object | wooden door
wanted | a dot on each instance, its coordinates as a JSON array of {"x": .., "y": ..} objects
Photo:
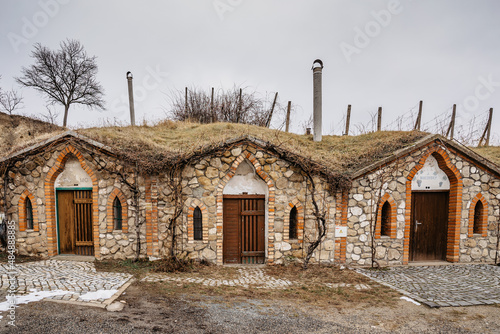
[
  {"x": 429, "y": 225},
  {"x": 244, "y": 229},
  {"x": 66, "y": 214},
  {"x": 231, "y": 230},
  {"x": 75, "y": 222}
]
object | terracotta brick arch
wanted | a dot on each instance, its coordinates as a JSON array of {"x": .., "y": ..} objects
[
  {"x": 23, "y": 224},
  {"x": 50, "y": 200},
  {"x": 271, "y": 203},
  {"x": 110, "y": 212},
  {"x": 455, "y": 202},
  {"x": 193, "y": 204},
  {"x": 483, "y": 223},
  {"x": 392, "y": 228},
  {"x": 300, "y": 221}
]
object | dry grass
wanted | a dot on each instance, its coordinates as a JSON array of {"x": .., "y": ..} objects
[
  {"x": 17, "y": 132},
  {"x": 491, "y": 153},
  {"x": 310, "y": 287},
  {"x": 342, "y": 154}
]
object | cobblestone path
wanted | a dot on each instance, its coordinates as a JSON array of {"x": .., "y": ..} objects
[
  {"x": 78, "y": 278},
  {"x": 448, "y": 285},
  {"x": 254, "y": 277}
]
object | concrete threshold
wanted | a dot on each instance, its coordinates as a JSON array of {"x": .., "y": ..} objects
[{"x": 71, "y": 257}]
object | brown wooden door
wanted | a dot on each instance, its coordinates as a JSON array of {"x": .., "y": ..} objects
[
  {"x": 66, "y": 214},
  {"x": 244, "y": 229},
  {"x": 429, "y": 225},
  {"x": 231, "y": 230},
  {"x": 75, "y": 222}
]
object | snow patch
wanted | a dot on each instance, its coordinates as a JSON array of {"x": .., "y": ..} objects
[
  {"x": 34, "y": 296},
  {"x": 99, "y": 294},
  {"x": 411, "y": 300}
]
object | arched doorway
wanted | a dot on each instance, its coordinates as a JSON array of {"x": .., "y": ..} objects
[
  {"x": 430, "y": 193},
  {"x": 73, "y": 190},
  {"x": 244, "y": 216}
]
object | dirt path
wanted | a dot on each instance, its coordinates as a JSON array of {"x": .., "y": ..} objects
[{"x": 149, "y": 310}]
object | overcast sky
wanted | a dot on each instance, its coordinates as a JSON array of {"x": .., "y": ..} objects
[{"x": 376, "y": 53}]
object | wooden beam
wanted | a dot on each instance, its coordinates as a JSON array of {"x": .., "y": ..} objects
[
  {"x": 451, "y": 127},
  {"x": 289, "y": 108},
  {"x": 419, "y": 117},
  {"x": 347, "y": 120},
  {"x": 268, "y": 121},
  {"x": 379, "y": 119}
]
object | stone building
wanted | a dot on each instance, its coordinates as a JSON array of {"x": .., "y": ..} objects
[{"x": 246, "y": 199}]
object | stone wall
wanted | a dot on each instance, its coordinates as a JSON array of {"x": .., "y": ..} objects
[
  {"x": 29, "y": 175},
  {"x": 475, "y": 182},
  {"x": 203, "y": 186}
]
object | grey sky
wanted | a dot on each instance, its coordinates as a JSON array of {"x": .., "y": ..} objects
[{"x": 441, "y": 52}]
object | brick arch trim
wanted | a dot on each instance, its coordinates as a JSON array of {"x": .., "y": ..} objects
[
  {"x": 50, "y": 200},
  {"x": 271, "y": 203},
  {"x": 110, "y": 211},
  {"x": 23, "y": 224},
  {"x": 192, "y": 205},
  {"x": 454, "y": 205},
  {"x": 300, "y": 221},
  {"x": 483, "y": 224},
  {"x": 392, "y": 220}
]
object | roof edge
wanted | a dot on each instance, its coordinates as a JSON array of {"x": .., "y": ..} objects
[
  {"x": 69, "y": 133},
  {"x": 424, "y": 141}
]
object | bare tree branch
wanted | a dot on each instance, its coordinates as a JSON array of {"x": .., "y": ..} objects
[
  {"x": 10, "y": 101},
  {"x": 66, "y": 76}
]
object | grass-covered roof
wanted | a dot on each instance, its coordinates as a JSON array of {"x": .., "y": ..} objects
[{"x": 167, "y": 143}]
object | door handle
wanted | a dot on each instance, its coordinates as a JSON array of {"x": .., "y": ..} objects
[{"x": 416, "y": 225}]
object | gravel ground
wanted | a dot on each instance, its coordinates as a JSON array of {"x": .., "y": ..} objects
[{"x": 147, "y": 311}]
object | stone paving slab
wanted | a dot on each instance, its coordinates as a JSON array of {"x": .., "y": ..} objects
[
  {"x": 77, "y": 278},
  {"x": 247, "y": 277},
  {"x": 441, "y": 286}
]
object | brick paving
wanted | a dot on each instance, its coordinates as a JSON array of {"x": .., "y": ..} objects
[
  {"x": 440, "y": 286},
  {"x": 78, "y": 278},
  {"x": 247, "y": 276}
]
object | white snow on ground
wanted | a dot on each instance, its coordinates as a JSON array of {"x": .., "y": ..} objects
[
  {"x": 99, "y": 294},
  {"x": 34, "y": 296},
  {"x": 411, "y": 300}
]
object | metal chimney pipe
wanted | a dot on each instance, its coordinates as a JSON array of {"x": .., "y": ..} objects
[
  {"x": 317, "y": 104},
  {"x": 131, "y": 98}
]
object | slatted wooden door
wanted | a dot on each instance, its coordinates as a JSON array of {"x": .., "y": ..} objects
[
  {"x": 75, "y": 222},
  {"x": 244, "y": 229},
  {"x": 429, "y": 226}
]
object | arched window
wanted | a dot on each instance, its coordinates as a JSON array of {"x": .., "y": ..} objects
[
  {"x": 478, "y": 217},
  {"x": 292, "y": 229},
  {"x": 385, "y": 219},
  {"x": 29, "y": 214},
  {"x": 198, "y": 224},
  {"x": 117, "y": 214}
]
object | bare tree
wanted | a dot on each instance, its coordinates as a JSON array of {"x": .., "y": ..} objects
[
  {"x": 66, "y": 76},
  {"x": 233, "y": 106},
  {"x": 10, "y": 101}
]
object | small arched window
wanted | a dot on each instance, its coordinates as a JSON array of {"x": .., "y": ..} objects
[
  {"x": 292, "y": 228},
  {"x": 117, "y": 214},
  {"x": 385, "y": 221},
  {"x": 197, "y": 224},
  {"x": 29, "y": 214},
  {"x": 478, "y": 217}
]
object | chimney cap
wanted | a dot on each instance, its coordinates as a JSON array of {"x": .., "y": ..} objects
[
  {"x": 317, "y": 61},
  {"x": 129, "y": 75}
]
